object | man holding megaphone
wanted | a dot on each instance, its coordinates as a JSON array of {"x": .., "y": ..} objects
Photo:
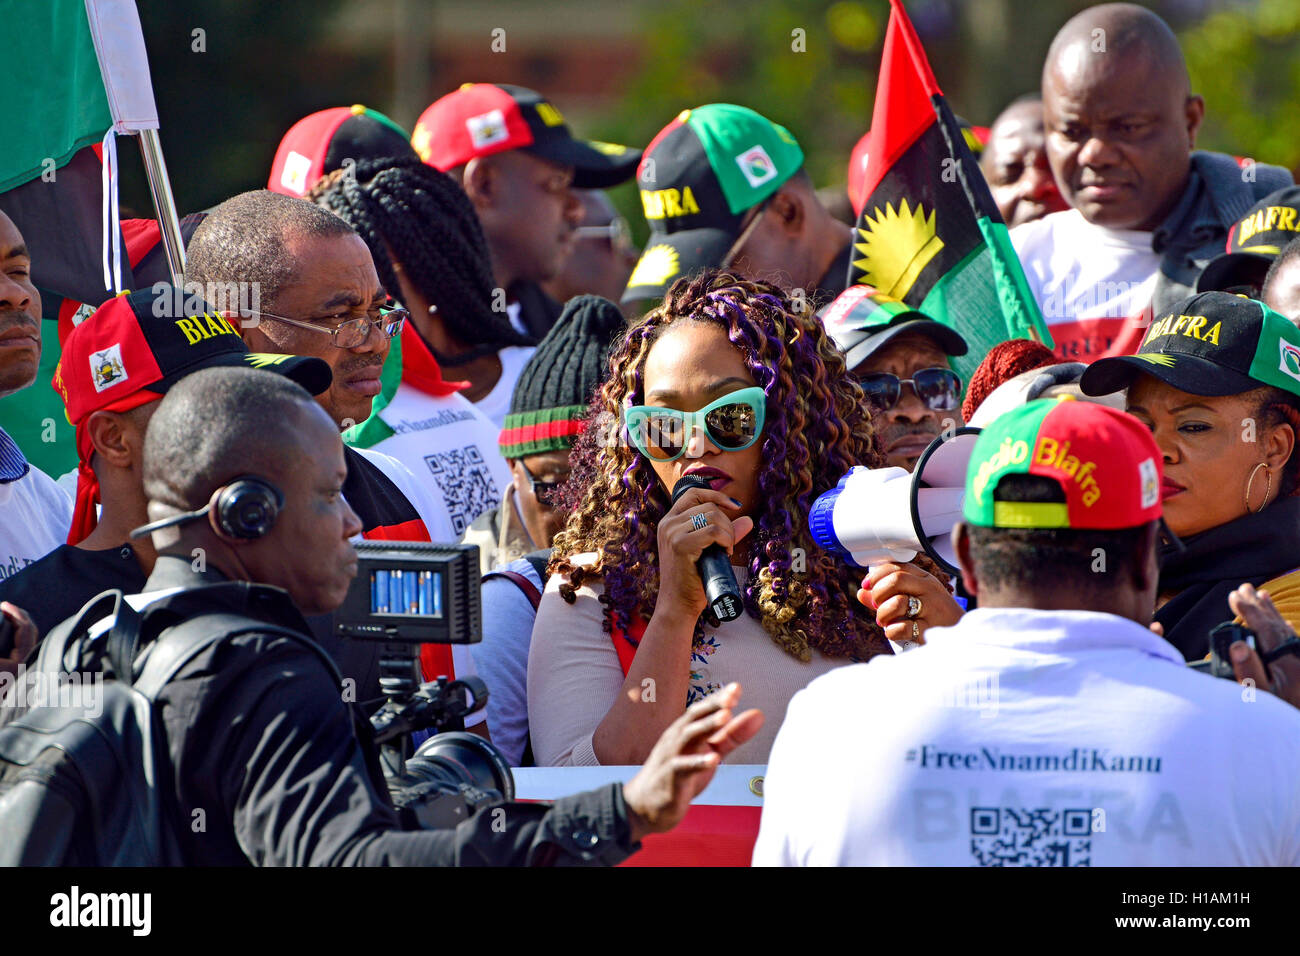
[
  {"x": 1052, "y": 726},
  {"x": 901, "y": 358}
]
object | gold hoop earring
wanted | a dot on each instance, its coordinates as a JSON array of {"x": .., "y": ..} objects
[{"x": 1268, "y": 488}]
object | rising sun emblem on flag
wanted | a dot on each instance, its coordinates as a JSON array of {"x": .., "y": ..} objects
[{"x": 895, "y": 247}]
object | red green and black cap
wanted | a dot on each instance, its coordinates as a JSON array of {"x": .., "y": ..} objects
[
  {"x": 480, "y": 119},
  {"x": 322, "y": 142},
  {"x": 554, "y": 388},
  {"x": 862, "y": 319},
  {"x": 1214, "y": 343},
  {"x": 138, "y": 345},
  {"x": 698, "y": 178},
  {"x": 1254, "y": 241},
  {"x": 1104, "y": 461}
]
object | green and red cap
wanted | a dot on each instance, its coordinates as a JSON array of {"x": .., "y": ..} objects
[
  {"x": 1105, "y": 462},
  {"x": 549, "y": 404},
  {"x": 698, "y": 178},
  {"x": 318, "y": 144},
  {"x": 481, "y": 119},
  {"x": 1214, "y": 343}
]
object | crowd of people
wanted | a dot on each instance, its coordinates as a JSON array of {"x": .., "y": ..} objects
[{"x": 453, "y": 339}]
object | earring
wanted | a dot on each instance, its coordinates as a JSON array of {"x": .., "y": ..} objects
[
  {"x": 1268, "y": 488},
  {"x": 433, "y": 309}
]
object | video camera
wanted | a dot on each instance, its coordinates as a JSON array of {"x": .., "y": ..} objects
[{"x": 407, "y": 594}]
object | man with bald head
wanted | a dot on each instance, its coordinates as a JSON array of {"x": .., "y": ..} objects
[{"x": 1147, "y": 210}]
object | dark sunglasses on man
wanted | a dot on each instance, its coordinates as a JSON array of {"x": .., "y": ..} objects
[{"x": 938, "y": 388}]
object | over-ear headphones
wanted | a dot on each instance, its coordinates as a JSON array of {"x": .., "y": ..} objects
[{"x": 244, "y": 509}]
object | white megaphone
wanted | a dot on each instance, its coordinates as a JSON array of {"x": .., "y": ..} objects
[{"x": 886, "y": 514}]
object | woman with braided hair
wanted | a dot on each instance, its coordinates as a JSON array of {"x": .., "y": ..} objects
[
  {"x": 430, "y": 252},
  {"x": 728, "y": 382}
]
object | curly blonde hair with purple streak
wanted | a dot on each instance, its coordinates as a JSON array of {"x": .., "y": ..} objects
[{"x": 817, "y": 428}]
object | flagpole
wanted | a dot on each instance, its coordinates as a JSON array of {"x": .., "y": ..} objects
[{"x": 160, "y": 188}]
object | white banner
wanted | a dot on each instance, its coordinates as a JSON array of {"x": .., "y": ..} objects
[{"x": 733, "y": 785}]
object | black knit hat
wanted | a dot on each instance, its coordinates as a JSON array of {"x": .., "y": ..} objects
[{"x": 557, "y": 383}]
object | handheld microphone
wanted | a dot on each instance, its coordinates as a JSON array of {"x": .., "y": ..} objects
[{"x": 719, "y": 579}]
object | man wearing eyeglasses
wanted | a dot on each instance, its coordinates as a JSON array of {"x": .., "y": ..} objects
[
  {"x": 900, "y": 357},
  {"x": 319, "y": 295},
  {"x": 724, "y": 186}
]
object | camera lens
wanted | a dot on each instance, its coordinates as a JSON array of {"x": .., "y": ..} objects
[{"x": 455, "y": 758}]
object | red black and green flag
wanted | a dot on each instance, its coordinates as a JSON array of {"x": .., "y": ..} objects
[
  {"x": 50, "y": 170},
  {"x": 929, "y": 233}
]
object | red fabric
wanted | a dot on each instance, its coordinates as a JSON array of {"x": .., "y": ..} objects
[
  {"x": 420, "y": 369},
  {"x": 413, "y": 530},
  {"x": 542, "y": 430},
  {"x": 443, "y": 136},
  {"x": 707, "y": 836},
  {"x": 309, "y": 137},
  {"x": 858, "y": 173},
  {"x": 436, "y": 661},
  {"x": 1004, "y": 362},
  {"x": 626, "y": 649},
  {"x": 903, "y": 110},
  {"x": 84, "y": 518}
]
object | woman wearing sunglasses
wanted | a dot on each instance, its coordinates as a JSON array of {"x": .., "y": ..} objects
[{"x": 726, "y": 382}]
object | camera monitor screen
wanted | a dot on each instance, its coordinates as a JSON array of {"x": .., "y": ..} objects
[
  {"x": 413, "y": 592},
  {"x": 406, "y": 591}
]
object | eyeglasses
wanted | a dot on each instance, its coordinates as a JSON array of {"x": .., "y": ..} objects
[
  {"x": 938, "y": 388},
  {"x": 733, "y": 423},
  {"x": 747, "y": 231},
  {"x": 617, "y": 232},
  {"x": 354, "y": 333},
  {"x": 543, "y": 491}
]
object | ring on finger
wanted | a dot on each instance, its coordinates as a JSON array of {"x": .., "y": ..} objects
[
  {"x": 699, "y": 521},
  {"x": 913, "y": 606},
  {"x": 916, "y": 632}
]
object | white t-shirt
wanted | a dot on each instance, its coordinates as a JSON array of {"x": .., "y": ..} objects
[
  {"x": 1033, "y": 738},
  {"x": 35, "y": 515},
  {"x": 496, "y": 403},
  {"x": 450, "y": 448},
  {"x": 1094, "y": 284}
]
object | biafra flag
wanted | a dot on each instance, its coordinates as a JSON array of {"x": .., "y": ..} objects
[
  {"x": 929, "y": 233},
  {"x": 51, "y": 187}
]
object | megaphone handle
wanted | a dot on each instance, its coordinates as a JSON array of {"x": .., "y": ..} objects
[{"x": 898, "y": 646}]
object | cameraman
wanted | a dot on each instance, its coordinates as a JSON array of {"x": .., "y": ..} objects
[
  {"x": 259, "y": 737},
  {"x": 1050, "y": 727}
]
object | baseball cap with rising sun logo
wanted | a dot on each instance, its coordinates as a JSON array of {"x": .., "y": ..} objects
[
  {"x": 1214, "y": 343},
  {"x": 698, "y": 178}
]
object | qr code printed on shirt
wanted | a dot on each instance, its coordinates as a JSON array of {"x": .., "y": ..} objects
[
  {"x": 466, "y": 484},
  {"x": 1007, "y": 836}
]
